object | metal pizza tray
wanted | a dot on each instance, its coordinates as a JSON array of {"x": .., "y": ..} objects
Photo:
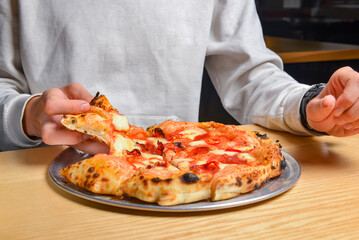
[{"x": 269, "y": 190}]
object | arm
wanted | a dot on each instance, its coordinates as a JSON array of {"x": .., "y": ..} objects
[
  {"x": 12, "y": 83},
  {"x": 26, "y": 119},
  {"x": 247, "y": 76}
]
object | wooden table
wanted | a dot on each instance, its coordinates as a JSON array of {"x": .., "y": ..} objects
[
  {"x": 297, "y": 51},
  {"x": 322, "y": 205}
]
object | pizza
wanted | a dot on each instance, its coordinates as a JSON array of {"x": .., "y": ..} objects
[{"x": 174, "y": 162}]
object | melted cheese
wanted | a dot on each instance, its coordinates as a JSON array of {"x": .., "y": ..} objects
[
  {"x": 197, "y": 143},
  {"x": 120, "y": 122},
  {"x": 246, "y": 156},
  {"x": 155, "y": 140},
  {"x": 151, "y": 156},
  {"x": 221, "y": 152},
  {"x": 139, "y": 141},
  {"x": 121, "y": 144},
  {"x": 192, "y": 133}
]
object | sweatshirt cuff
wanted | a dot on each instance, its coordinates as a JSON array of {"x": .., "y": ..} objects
[
  {"x": 15, "y": 117},
  {"x": 293, "y": 117}
]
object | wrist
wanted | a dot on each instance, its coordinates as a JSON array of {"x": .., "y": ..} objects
[
  {"x": 30, "y": 122},
  {"x": 311, "y": 93}
]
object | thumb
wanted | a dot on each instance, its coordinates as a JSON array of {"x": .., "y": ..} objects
[{"x": 319, "y": 109}]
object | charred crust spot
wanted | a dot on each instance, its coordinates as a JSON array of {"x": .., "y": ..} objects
[
  {"x": 179, "y": 145},
  {"x": 85, "y": 131},
  {"x": 189, "y": 178},
  {"x": 88, "y": 176},
  {"x": 239, "y": 181},
  {"x": 158, "y": 132},
  {"x": 95, "y": 175},
  {"x": 168, "y": 180},
  {"x": 91, "y": 169},
  {"x": 156, "y": 180},
  {"x": 125, "y": 195},
  {"x": 141, "y": 177},
  {"x": 249, "y": 181},
  {"x": 65, "y": 116},
  {"x": 283, "y": 165},
  {"x": 88, "y": 185},
  {"x": 273, "y": 167},
  {"x": 261, "y": 136},
  {"x": 104, "y": 179},
  {"x": 93, "y": 101},
  {"x": 73, "y": 121},
  {"x": 256, "y": 186},
  {"x": 145, "y": 182},
  {"x": 134, "y": 152}
]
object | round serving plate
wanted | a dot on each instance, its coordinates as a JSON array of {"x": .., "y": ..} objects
[{"x": 268, "y": 190}]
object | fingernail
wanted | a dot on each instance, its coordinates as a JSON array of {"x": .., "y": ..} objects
[
  {"x": 85, "y": 107},
  {"x": 338, "y": 111}
]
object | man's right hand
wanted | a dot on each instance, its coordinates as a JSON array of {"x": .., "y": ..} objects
[{"x": 42, "y": 117}]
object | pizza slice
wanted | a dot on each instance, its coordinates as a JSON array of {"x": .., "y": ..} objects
[{"x": 104, "y": 123}]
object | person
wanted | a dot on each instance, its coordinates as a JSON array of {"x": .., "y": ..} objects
[{"x": 148, "y": 58}]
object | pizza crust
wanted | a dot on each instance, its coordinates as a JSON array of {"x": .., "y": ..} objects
[{"x": 102, "y": 174}]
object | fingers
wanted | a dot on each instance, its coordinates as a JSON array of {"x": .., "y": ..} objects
[
  {"x": 320, "y": 109},
  {"x": 56, "y": 106},
  {"x": 339, "y": 131},
  {"x": 92, "y": 147},
  {"x": 349, "y": 116},
  {"x": 56, "y": 102},
  {"x": 346, "y": 83},
  {"x": 52, "y": 134},
  {"x": 77, "y": 91}
]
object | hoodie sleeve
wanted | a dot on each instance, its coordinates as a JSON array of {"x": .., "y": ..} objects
[
  {"x": 248, "y": 77},
  {"x": 14, "y": 90}
]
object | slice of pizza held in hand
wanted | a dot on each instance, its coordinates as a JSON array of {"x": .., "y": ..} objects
[{"x": 172, "y": 162}]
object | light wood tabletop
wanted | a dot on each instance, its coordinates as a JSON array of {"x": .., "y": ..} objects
[
  {"x": 322, "y": 205},
  {"x": 299, "y": 51}
]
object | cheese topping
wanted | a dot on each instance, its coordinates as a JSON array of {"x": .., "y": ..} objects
[
  {"x": 192, "y": 133},
  {"x": 120, "y": 122},
  {"x": 151, "y": 156},
  {"x": 197, "y": 143},
  {"x": 155, "y": 140},
  {"x": 121, "y": 144}
]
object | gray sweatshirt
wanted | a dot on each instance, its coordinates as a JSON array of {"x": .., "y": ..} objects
[{"x": 147, "y": 57}]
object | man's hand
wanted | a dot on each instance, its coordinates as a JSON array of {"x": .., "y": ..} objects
[
  {"x": 336, "y": 109},
  {"x": 42, "y": 117}
]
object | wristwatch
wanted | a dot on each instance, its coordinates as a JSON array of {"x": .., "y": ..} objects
[{"x": 309, "y": 95}]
